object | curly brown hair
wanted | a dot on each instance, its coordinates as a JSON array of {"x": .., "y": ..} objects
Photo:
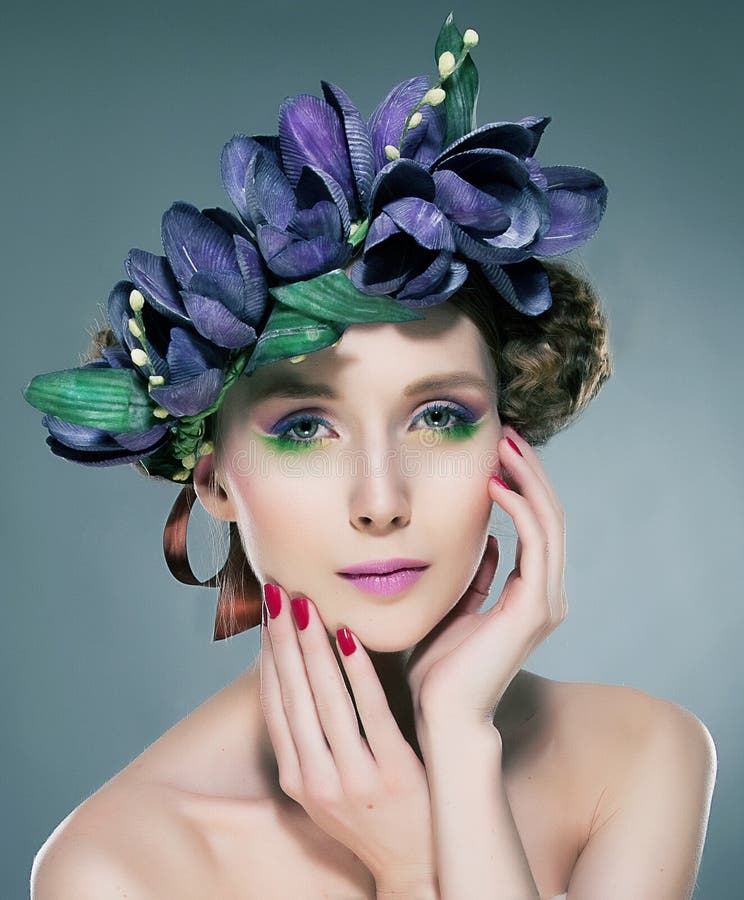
[{"x": 549, "y": 367}]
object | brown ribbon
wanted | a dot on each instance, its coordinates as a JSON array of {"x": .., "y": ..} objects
[{"x": 240, "y": 597}]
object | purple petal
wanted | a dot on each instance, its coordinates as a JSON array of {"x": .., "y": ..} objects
[
  {"x": 323, "y": 218},
  {"x": 193, "y": 243},
  {"x": 271, "y": 196},
  {"x": 152, "y": 275},
  {"x": 315, "y": 185},
  {"x": 190, "y": 354},
  {"x": 577, "y": 198},
  {"x": 311, "y": 133},
  {"x": 304, "y": 259},
  {"x": 423, "y": 221},
  {"x": 513, "y": 137},
  {"x": 424, "y": 142},
  {"x": 216, "y": 323},
  {"x": 226, "y": 221},
  {"x": 524, "y": 285},
  {"x": 255, "y": 294},
  {"x": 381, "y": 228},
  {"x": 117, "y": 358},
  {"x": 400, "y": 178},
  {"x": 236, "y": 155},
  {"x": 156, "y": 328},
  {"x": 358, "y": 144},
  {"x": 100, "y": 457},
  {"x": 488, "y": 167},
  {"x": 79, "y": 437},
  {"x": 119, "y": 311},
  {"x": 457, "y": 275},
  {"x": 467, "y": 205},
  {"x": 386, "y": 123},
  {"x": 144, "y": 440},
  {"x": 365, "y": 276},
  {"x": 192, "y": 396},
  {"x": 536, "y": 173},
  {"x": 427, "y": 280}
]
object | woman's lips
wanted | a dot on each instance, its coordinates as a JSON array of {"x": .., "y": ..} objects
[{"x": 392, "y": 583}]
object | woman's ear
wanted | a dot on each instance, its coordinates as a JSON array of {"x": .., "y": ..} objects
[{"x": 212, "y": 496}]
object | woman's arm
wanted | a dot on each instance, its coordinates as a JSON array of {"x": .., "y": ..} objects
[
  {"x": 478, "y": 849},
  {"x": 649, "y": 832}
]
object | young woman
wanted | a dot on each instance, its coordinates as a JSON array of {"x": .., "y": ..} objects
[{"x": 387, "y": 740}]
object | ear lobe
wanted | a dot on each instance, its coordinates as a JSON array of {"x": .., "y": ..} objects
[{"x": 212, "y": 496}]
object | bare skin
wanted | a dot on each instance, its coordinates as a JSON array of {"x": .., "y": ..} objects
[
  {"x": 208, "y": 788},
  {"x": 201, "y": 812}
]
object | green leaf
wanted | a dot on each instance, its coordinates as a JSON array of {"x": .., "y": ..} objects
[
  {"x": 288, "y": 333},
  {"x": 333, "y": 298},
  {"x": 461, "y": 87},
  {"x": 112, "y": 399}
]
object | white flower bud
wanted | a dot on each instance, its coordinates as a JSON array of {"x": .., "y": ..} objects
[
  {"x": 183, "y": 475},
  {"x": 392, "y": 152},
  {"x": 297, "y": 359},
  {"x": 415, "y": 119},
  {"x": 188, "y": 462},
  {"x": 446, "y": 64},
  {"x": 136, "y": 300},
  {"x": 134, "y": 328},
  {"x": 470, "y": 38},
  {"x": 205, "y": 448},
  {"x": 160, "y": 413},
  {"x": 156, "y": 380},
  {"x": 434, "y": 96},
  {"x": 139, "y": 357}
]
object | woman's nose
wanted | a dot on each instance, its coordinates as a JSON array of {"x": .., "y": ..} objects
[{"x": 379, "y": 499}]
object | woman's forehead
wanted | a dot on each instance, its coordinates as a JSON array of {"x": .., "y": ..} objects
[{"x": 445, "y": 339}]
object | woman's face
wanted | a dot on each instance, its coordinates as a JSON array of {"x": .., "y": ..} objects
[{"x": 383, "y": 468}]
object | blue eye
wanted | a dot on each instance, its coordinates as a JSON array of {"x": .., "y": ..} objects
[{"x": 459, "y": 423}]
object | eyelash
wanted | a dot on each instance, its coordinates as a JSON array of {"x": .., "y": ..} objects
[{"x": 465, "y": 423}]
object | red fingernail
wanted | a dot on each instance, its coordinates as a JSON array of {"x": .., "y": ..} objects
[
  {"x": 345, "y": 641},
  {"x": 499, "y": 481},
  {"x": 300, "y": 612},
  {"x": 273, "y": 599},
  {"x": 514, "y": 447}
]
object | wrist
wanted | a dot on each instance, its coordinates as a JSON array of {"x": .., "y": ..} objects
[
  {"x": 437, "y": 731},
  {"x": 424, "y": 889}
]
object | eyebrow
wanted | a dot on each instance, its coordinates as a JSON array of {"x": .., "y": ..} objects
[{"x": 290, "y": 387}]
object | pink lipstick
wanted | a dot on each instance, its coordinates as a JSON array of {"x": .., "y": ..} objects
[{"x": 386, "y": 584}]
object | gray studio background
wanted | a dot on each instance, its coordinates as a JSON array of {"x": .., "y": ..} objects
[{"x": 113, "y": 111}]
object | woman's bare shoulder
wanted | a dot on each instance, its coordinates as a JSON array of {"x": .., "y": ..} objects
[{"x": 128, "y": 839}]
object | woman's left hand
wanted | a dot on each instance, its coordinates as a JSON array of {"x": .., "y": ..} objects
[{"x": 462, "y": 668}]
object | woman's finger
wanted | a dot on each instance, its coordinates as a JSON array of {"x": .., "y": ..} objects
[
  {"x": 334, "y": 704},
  {"x": 534, "y": 542},
  {"x": 315, "y": 760},
  {"x": 530, "y": 454},
  {"x": 290, "y": 775}
]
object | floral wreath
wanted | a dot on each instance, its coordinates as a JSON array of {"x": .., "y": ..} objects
[{"x": 410, "y": 201}]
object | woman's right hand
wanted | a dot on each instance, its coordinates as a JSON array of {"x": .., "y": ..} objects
[{"x": 369, "y": 793}]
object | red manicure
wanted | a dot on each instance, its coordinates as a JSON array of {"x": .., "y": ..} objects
[
  {"x": 273, "y": 599},
  {"x": 300, "y": 612},
  {"x": 514, "y": 447},
  {"x": 345, "y": 641},
  {"x": 499, "y": 481}
]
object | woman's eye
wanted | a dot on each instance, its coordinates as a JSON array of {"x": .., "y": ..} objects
[{"x": 442, "y": 417}]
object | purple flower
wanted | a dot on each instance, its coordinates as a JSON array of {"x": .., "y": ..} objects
[
  {"x": 409, "y": 249},
  {"x": 505, "y": 208},
  {"x": 211, "y": 278},
  {"x": 300, "y": 191},
  {"x": 191, "y": 366}
]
